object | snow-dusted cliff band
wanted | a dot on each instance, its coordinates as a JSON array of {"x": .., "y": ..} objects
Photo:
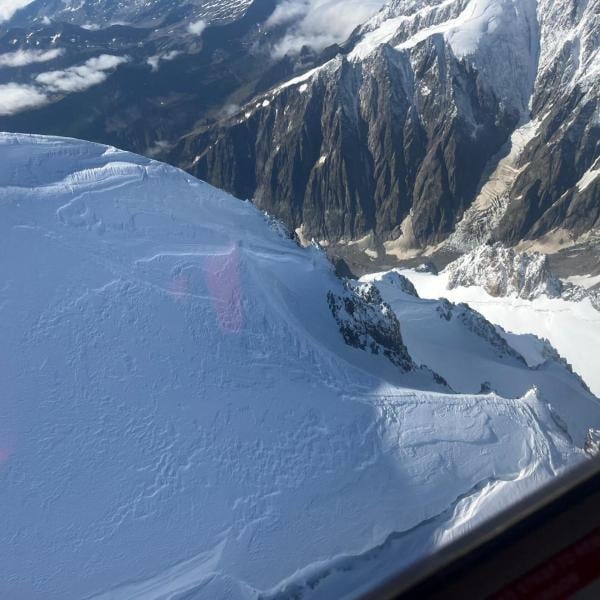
[{"x": 185, "y": 412}]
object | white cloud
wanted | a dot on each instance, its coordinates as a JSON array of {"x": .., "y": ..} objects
[
  {"x": 158, "y": 148},
  {"x": 15, "y": 98},
  {"x": 9, "y": 7},
  {"x": 197, "y": 27},
  {"x": 319, "y": 23},
  {"x": 288, "y": 11},
  {"x": 22, "y": 58},
  {"x": 81, "y": 77},
  {"x": 154, "y": 61}
]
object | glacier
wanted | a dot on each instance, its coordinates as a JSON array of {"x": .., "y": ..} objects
[{"x": 181, "y": 415}]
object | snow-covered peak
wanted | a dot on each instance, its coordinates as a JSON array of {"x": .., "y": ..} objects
[
  {"x": 570, "y": 48},
  {"x": 498, "y": 37},
  {"x": 182, "y": 414},
  {"x": 500, "y": 357},
  {"x": 502, "y": 271},
  {"x": 104, "y": 13},
  {"x": 515, "y": 44},
  {"x": 464, "y": 24}
]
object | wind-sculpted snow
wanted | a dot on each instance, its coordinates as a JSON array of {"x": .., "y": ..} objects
[{"x": 181, "y": 416}]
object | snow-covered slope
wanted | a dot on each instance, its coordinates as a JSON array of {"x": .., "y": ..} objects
[
  {"x": 181, "y": 413},
  {"x": 447, "y": 336},
  {"x": 572, "y": 325}
]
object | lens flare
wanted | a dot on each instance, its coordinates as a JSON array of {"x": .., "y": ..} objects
[{"x": 225, "y": 287}]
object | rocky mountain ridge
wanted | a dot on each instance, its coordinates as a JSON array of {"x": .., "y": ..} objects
[
  {"x": 398, "y": 135},
  {"x": 504, "y": 272}
]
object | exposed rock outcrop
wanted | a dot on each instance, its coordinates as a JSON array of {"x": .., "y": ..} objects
[
  {"x": 502, "y": 271},
  {"x": 368, "y": 323}
]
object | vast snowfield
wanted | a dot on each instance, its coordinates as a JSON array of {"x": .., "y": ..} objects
[
  {"x": 573, "y": 328},
  {"x": 180, "y": 413}
]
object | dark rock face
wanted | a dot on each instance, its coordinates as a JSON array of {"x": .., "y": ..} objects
[
  {"x": 342, "y": 270},
  {"x": 361, "y": 146},
  {"x": 546, "y": 195},
  {"x": 366, "y": 322},
  {"x": 592, "y": 444}
]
